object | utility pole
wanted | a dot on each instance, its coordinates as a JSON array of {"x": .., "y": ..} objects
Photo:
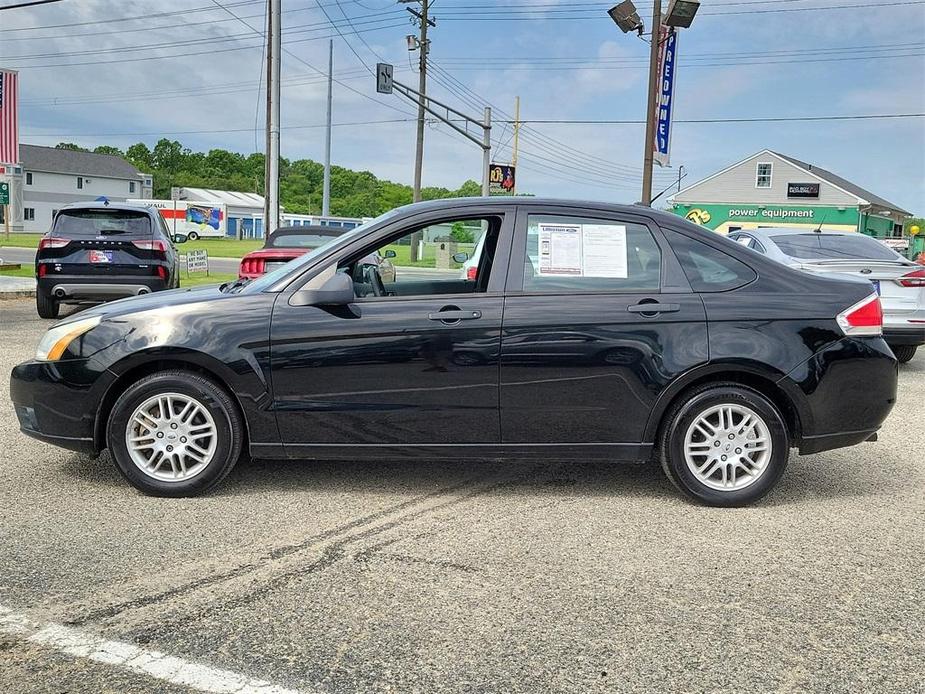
[
  {"x": 648, "y": 160},
  {"x": 516, "y": 131},
  {"x": 486, "y": 151},
  {"x": 326, "y": 199},
  {"x": 423, "y": 45},
  {"x": 271, "y": 188}
]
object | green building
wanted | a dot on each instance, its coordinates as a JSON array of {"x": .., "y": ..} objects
[{"x": 769, "y": 189}]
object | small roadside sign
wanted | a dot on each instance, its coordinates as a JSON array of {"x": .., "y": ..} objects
[
  {"x": 197, "y": 261},
  {"x": 4, "y": 193},
  {"x": 384, "y": 78}
]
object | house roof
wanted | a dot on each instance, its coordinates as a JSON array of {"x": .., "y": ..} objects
[
  {"x": 845, "y": 184},
  {"x": 53, "y": 160}
]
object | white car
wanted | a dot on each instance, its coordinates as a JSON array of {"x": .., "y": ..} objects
[
  {"x": 899, "y": 282},
  {"x": 470, "y": 268}
]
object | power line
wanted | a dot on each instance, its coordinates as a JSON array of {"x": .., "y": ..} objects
[
  {"x": 27, "y": 4},
  {"x": 770, "y": 119}
]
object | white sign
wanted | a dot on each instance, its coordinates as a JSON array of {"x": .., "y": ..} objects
[
  {"x": 583, "y": 250},
  {"x": 197, "y": 261}
]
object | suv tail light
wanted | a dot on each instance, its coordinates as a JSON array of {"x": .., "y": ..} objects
[
  {"x": 152, "y": 245},
  {"x": 916, "y": 278},
  {"x": 864, "y": 318},
  {"x": 53, "y": 242},
  {"x": 472, "y": 272}
]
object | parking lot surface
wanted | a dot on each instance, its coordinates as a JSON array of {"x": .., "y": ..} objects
[{"x": 452, "y": 577}]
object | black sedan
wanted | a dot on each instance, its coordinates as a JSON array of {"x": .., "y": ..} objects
[{"x": 589, "y": 332}]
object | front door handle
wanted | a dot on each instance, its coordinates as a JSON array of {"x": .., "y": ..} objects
[
  {"x": 453, "y": 316},
  {"x": 654, "y": 308}
]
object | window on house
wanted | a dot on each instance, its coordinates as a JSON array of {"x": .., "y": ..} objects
[
  {"x": 28, "y": 214},
  {"x": 763, "y": 175},
  {"x": 131, "y": 186},
  {"x": 28, "y": 178},
  {"x": 80, "y": 182}
]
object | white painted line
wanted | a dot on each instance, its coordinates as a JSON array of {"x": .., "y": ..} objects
[{"x": 126, "y": 656}]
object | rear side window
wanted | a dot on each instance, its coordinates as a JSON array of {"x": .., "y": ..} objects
[
  {"x": 709, "y": 269},
  {"x": 101, "y": 222},
  {"x": 581, "y": 254},
  {"x": 829, "y": 247}
]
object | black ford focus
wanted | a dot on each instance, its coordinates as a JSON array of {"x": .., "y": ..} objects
[{"x": 588, "y": 332}]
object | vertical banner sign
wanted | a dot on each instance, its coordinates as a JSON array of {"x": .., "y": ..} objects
[
  {"x": 9, "y": 118},
  {"x": 665, "y": 95},
  {"x": 501, "y": 179}
]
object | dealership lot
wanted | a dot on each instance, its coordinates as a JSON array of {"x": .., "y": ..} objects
[{"x": 325, "y": 577}]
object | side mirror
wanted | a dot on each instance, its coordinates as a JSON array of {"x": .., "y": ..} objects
[
  {"x": 180, "y": 238},
  {"x": 336, "y": 291},
  {"x": 389, "y": 254},
  {"x": 460, "y": 257}
]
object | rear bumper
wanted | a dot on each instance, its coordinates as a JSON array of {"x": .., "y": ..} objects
[
  {"x": 904, "y": 335},
  {"x": 75, "y": 287},
  {"x": 849, "y": 388}
]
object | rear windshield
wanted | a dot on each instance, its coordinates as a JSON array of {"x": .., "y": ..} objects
[
  {"x": 101, "y": 223},
  {"x": 828, "y": 247},
  {"x": 291, "y": 240}
]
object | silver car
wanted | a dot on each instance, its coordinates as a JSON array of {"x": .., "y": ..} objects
[{"x": 899, "y": 282}]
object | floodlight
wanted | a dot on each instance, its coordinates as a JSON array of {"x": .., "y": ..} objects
[
  {"x": 681, "y": 13},
  {"x": 626, "y": 17}
]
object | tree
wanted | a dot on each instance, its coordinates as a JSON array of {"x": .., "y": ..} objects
[
  {"x": 140, "y": 157},
  {"x": 71, "y": 146},
  {"x": 108, "y": 149}
]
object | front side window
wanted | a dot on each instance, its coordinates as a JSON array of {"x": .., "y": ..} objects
[
  {"x": 568, "y": 254},
  {"x": 763, "y": 175},
  {"x": 454, "y": 256}
]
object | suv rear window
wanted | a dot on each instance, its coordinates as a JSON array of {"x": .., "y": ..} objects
[
  {"x": 101, "y": 223},
  {"x": 828, "y": 247}
]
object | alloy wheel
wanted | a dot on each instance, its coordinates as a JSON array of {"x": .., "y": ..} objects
[{"x": 728, "y": 447}]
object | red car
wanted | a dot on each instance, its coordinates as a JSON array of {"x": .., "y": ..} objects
[{"x": 288, "y": 243}]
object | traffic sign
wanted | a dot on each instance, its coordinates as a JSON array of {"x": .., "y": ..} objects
[
  {"x": 384, "y": 78},
  {"x": 4, "y": 193}
]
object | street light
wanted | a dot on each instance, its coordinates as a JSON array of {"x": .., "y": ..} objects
[
  {"x": 681, "y": 13},
  {"x": 626, "y": 17}
]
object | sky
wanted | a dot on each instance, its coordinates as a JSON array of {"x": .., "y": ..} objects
[{"x": 91, "y": 74}]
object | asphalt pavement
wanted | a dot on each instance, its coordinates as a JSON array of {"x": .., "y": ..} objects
[{"x": 451, "y": 577}]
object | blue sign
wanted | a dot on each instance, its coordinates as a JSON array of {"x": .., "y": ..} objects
[{"x": 665, "y": 97}]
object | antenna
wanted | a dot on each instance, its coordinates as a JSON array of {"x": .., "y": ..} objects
[{"x": 818, "y": 229}]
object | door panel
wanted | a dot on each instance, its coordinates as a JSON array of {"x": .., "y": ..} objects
[
  {"x": 382, "y": 373},
  {"x": 583, "y": 369}
]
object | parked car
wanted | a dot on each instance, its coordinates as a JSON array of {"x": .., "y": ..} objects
[
  {"x": 290, "y": 242},
  {"x": 899, "y": 282},
  {"x": 681, "y": 347},
  {"x": 97, "y": 251}
]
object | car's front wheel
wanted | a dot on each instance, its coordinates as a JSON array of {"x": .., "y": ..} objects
[
  {"x": 903, "y": 353},
  {"x": 724, "y": 444},
  {"x": 175, "y": 433}
]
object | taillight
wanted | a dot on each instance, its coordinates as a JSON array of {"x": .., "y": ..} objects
[
  {"x": 152, "y": 245},
  {"x": 53, "y": 242},
  {"x": 251, "y": 266},
  {"x": 42, "y": 270},
  {"x": 162, "y": 272},
  {"x": 864, "y": 318},
  {"x": 472, "y": 272},
  {"x": 916, "y": 278}
]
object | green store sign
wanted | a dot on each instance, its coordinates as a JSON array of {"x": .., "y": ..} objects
[{"x": 716, "y": 216}]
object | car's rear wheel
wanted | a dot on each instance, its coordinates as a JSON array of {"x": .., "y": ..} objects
[
  {"x": 46, "y": 305},
  {"x": 903, "y": 353},
  {"x": 724, "y": 445},
  {"x": 175, "y": 433},
  {"x": 192, "y": 236}
]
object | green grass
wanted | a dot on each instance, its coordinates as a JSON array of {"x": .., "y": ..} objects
[
  {"x": 185, "y": 280},
  {"x": 217, "y": 248}
]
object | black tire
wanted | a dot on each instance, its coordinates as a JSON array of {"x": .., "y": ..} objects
[
  {"x": 903, "y": 353},
  {"x": 45, "y": 305},
  {"x": 192, "y": 236},
  {"x": 694, "y": 404},
  {"x": 229, "y": 428}
]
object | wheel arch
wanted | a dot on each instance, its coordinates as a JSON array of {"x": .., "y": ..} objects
[
  {"x": 148, "y": 363},
  {"x": 782, "y": 392}
]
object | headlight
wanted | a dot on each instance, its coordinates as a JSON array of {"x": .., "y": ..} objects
[{"x": 58, "y": 338}]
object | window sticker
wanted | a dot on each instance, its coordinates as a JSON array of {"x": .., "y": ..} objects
[{"x": 583, "y": 250}]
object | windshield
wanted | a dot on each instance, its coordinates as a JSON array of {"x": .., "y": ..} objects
[
  {"x": 93, "y": 222},
  {"x": 832, "y": 247},
  {"x": 268, "y": 280},
  {"x": 297, "y": 240}
]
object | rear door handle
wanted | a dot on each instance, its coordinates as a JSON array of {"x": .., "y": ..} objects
[
  {"x": 448, "y": 316},
  {"x": 654, "y": 308}
]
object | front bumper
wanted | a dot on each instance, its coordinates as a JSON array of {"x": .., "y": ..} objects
[{"x": 58, "y": 402}]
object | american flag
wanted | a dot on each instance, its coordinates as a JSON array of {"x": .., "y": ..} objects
[{"x": 9, "y": 119}]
